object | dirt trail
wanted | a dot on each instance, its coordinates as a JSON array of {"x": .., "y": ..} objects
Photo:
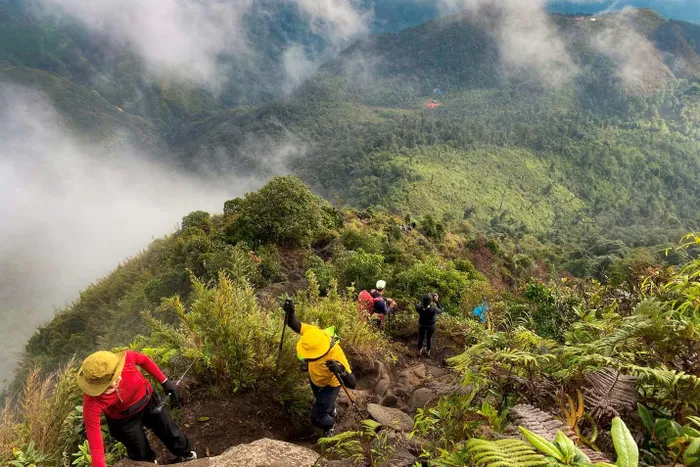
[{"x": 216, "y": 423}]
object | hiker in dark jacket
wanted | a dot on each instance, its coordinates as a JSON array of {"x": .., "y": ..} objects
[{"x": 427, "y": 310}]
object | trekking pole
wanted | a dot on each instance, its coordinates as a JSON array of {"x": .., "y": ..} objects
[
  {"x": 166, "y": 400},
  {"x": 279, "y": 349},
  {"x": 347, "y": 393}
]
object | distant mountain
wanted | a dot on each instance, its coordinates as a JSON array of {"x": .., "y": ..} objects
[{"x": 685, "y": 10}]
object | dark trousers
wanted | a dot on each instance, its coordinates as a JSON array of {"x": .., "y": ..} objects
[
  {"x": 322, "y": 411},
  {"x": 130, "y": 432},
  {"x": 425, "y": 333}
]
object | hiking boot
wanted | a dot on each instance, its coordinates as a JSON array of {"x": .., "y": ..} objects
[
  {"x": 427, "y": 353},
  {"x": 421, "y": 351},
  {"x": 188, "y": 457},
  {"x": 329, "y": 432}
]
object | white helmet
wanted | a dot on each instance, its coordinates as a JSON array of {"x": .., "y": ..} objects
[{"x": 381, "y": 285}]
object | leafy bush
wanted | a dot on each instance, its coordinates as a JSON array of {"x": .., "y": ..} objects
[
  {"x": 552, "y": 310},
  {"x": 359, "y": 268},
  {"x": 356, "y": 239},
  {"x": 322, "y": 271},
  {"x": 234, "y": 338},
  {"x": 199, "y": 220},
  {"x": 433, "y": 229},
  {"x": 283, "y": 212},
  {"x": 431, "y": 276}
]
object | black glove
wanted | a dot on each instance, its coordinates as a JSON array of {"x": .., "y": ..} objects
[
  {"x": 336, "y": 367},
  {"x": 170, "y": 389},
  {"x": 288, "y": 306}
]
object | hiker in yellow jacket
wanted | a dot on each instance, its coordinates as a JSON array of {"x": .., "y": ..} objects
[{"x": 327, "y": 364}]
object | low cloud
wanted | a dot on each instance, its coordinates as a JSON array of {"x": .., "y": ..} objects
[
  {"x": 527, "y": 38},
  {"x": 175, "y": 38},
  {"x": 193, "y": 40},
  {"x": 70, "y": 211},
  {"x": 338, "y": 22}
]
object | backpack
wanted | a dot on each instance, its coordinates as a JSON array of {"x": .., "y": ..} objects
[{"x": 365, "y": 304}]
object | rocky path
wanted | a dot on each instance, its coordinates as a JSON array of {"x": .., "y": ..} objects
[{"x": 264, "y": 436}]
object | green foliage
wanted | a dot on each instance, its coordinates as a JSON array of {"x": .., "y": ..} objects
[
  {"x": 28, "y": 457},
  {"x": 359, "y": 268},
  {"x": 197, "y": 220},
  {"x": 283, "y": 212},
  {"x": 452, "y": 420},
  {"x": 357, "y": 239},
  {"x": 504, "y": 452},
  {"x": 625, "y": 446},
  {"x": 432, "y": 276},
  {"x": 369, "y": 446},
  {"x": 234, "y": 338},
  {"x": 82, "y": 457},
  {"x": 433, "y": 230},
  {"x": 552, "y": 309}
]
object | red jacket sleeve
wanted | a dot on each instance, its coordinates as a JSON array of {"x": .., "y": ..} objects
[
  {"x": 91, "y": 419},
  {"x": 149, "y": 365}
]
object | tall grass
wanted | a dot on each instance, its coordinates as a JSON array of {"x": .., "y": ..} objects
[
  {"x": 237, "y": 340},
  {"x": 38, "y": 413}
]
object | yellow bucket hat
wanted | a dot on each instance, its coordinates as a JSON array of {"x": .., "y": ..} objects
[
  {"x": 315, "y": 343},
  {"x": 99, "y": 371}
]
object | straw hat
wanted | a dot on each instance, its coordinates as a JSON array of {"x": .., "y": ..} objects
[
  {"x": 99, "y": 371},
  {"x": 314, "y": 344}
]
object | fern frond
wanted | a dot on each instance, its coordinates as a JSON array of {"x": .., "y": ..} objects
[
  {"x": 539, "y": 422},
  {"x": 503, "y": 453},
  {"x": 610, "y": 392}
]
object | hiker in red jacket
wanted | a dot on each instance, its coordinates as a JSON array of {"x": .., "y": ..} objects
[{"x": 113, "y": 385}]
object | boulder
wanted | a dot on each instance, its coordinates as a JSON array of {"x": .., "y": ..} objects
[
  {"x": 261, "y": 453},
  {"x": 267, "y": 453},
  {"x": 410, "y": 378},
  {"x": 383, "y": 381},
  {"x": 437, "y": 372},
  {"x": 392, "y": 418},
  {"x": 421, "y": 397}
]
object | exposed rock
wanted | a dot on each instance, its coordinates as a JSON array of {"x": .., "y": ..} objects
[
  {"x": 437, "y": 372},
  {"x": 267, "y": 453},
  {"x": 383, "y": 381},
  {"x": 403, "y": 459},
  {"x": 261, "y": 453},
  {"x": 382, "y": 387},
  {"x": 410, "y": 378},
  {"x": 421, "y": 397},
  {"x": 390, "y": 400},
  {"x": 359, "y": 396},
  {"x": 392, "y": 418}
]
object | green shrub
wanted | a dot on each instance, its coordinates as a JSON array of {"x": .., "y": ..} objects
[
  {"x": 359, "y": 268},
  {"x": 433, "y": 229},
  {"x": 431, "y": 276},
  {"x": 283, "y": 212},
  {"x": 197, "y": 219},
  {"x": 323, "y": 273},
  {"x": 173, "y": 282},
  {"x": 270, "y": 266},
  {"x": 355, "y": 239},
  {"x": 235, "y": 339},
  {"x": 32, "y": 427},
  {"x": 552, "y": 310}
]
